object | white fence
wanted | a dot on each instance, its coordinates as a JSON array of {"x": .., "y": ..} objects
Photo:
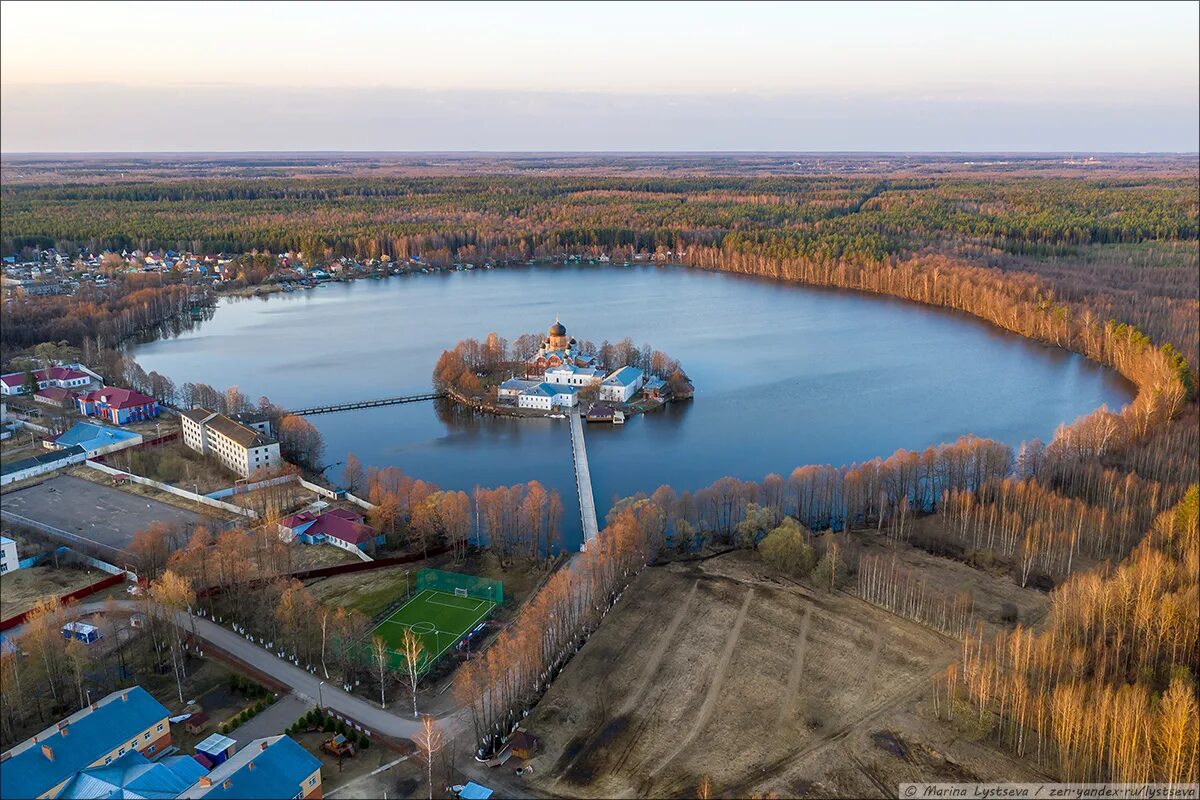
[{"x": 197, "y": 498}]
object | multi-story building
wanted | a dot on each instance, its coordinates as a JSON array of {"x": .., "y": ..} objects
[
  {"x": 120, "y": 746},
  {"x": 96, "y": 735},
  {"x": 243, "y": 448}
]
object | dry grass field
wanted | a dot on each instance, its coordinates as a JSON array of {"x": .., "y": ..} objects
[{"x": 720, "y": 670}]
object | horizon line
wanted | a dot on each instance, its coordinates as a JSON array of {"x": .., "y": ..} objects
[{"x": 464, "y": 152}]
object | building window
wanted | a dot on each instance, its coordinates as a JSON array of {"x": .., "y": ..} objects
[
  {"x": 147, "y": 736},
  {"x": 121, "y": 752},
  {"x": 312, "y": 781},
  {"x": 108, "y": 759},
  {"x": 160, "y": 728},
  {"x": 151, "y": 748},
  {"x": 133, "y": 743}
]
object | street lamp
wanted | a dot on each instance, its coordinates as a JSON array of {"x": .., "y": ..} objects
[{"x": 320, "y": 696}]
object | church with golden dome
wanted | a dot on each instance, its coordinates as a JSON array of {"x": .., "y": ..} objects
[{"x": 559, "y": 349}]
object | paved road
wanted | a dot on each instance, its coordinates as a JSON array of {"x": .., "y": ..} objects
[
  {"x": 303, "y": 685},
  {"x": 277, "y": 718},
  {"x": 583, "y": 479}
]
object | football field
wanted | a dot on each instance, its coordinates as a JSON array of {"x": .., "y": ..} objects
[{"x": 441, "y": 619}]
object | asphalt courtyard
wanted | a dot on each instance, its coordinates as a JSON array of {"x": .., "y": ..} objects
[{"x": 100, "y": 514}]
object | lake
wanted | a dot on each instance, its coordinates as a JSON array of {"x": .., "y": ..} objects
[{"x": 785, "y": 375}]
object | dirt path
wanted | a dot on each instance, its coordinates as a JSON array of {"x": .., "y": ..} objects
[
  {"x": 788, "y": 706},
  {"x": 660, "y": 649},
  {"x": 714, "y": 688},
  {"x": 873, "y": 664}
]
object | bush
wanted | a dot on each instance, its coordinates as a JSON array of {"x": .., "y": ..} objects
[
  {"x": 223, "y": 729},
  {"x": 363, "y": 741},
  {"x": 341, "y": 728},
  {"x": 259, "y": 706}
]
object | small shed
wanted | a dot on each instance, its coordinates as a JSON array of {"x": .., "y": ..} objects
[
  {"x": 196, "y": 723},
  {"x": 81, "y": 632},
  {"x": 523, "y": 744},
  {"x": 217, "y": 748}
]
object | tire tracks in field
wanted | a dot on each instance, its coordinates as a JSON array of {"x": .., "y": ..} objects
[
  {"x": 714, "y": 688},
  {"x": 788, "y": 706},
  {"x": 660, "y": 650}
]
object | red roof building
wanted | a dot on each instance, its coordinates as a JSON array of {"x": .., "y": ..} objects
[
  {"x": 339, "y": 527},
  {"x": 119, "y": 406}
]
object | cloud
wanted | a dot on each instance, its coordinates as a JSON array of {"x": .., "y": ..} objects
[{"x": 108, "y": 117}]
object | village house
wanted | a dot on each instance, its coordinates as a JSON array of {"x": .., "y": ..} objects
[
  {"x": 243, "y": 448},
  {"x": 72, "y": 376},
  {"x": 622, "y": 385},
  {"x": 339, "y": 527},
  {"x": 118, "y": 406}
]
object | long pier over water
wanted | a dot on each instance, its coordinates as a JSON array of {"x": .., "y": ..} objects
[
  {"x": 386, "y": 401},
  {"x": 583, "y": 480}
]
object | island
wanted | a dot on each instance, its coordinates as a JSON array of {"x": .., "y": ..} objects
[{"x": 555, "y": 373}]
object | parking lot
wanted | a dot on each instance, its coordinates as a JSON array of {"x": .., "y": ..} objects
[{"x": 99, "y": 514}]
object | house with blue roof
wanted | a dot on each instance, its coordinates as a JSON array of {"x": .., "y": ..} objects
[
  {"x": 97, "y": 735},
  {"x": 271, "y": 767},
  {"x": 622, "y": 384},
  {"x": 134, "y": 775}
]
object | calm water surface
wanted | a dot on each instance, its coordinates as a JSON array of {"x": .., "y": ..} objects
[{"x": 785, "y": 375}]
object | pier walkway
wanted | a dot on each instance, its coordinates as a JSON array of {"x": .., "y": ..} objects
[
  {"x": 386, "y": 401},
  {"x": 583, "y": 480}
]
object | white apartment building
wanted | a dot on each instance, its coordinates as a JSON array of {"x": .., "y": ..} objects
[{"x": 245, "y": 449}]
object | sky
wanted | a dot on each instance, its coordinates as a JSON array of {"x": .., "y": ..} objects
[{"x": 1079, "y": 77}]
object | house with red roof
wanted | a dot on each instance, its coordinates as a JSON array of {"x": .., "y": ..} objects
[
  {"x": 339, "y": 527},
  {"x": 118, "y": 406},
  {"x": 55, "y": 396},
  {"x": 68, "y": 377}
]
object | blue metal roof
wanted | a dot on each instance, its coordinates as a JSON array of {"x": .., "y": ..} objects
[
  {"x": 91, "y": 734},
  {"x": 134, "y": 775},
  {"x": 92, "y": 437},
  {"x": 278, "y": 771},
  {"x": 624, "y": 376},
  {"x": 473, "y": 791}
]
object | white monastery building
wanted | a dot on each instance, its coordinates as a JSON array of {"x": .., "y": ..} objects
[{"x": 623, "y": 384}]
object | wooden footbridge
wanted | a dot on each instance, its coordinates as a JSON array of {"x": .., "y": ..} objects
[{"x": 386, "y": 401}]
